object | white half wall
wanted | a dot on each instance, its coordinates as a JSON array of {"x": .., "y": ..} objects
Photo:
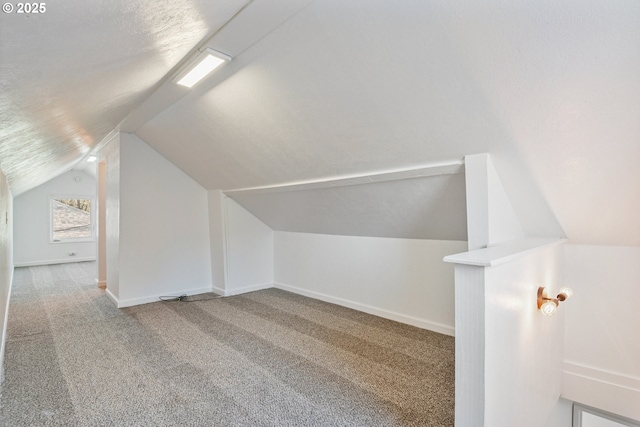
[
  {"x": 399, "y": 279},
  {"x": 523, "y": 348},
  {"x": 6, "y": 260},
  {"x": 164, "y": 227},
  {"x": 32, "y": 243},
  {"x": 602, "y": 344},
  {"x": 249, "y": 250},
  {"x": 508, "y": 355}
]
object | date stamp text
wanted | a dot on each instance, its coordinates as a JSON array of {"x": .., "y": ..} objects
[{"x": 24, "y": 7}]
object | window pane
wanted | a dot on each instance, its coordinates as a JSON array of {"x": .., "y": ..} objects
[
  {"x": 71, "y": 219},
  {"x": 591, "y": 420}
]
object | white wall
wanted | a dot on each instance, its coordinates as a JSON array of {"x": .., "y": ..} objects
[
  {"x": 508, "y": 355},
  {"x": 164, "y": 227},
  {"x": 562, "y": 414},
  {"x": 217, "y": 240},
  {"x": 602, "y": 351},
  {"x": 32, "y": 233},
  {"x": 102, "y": 224},
  {"x": 6, "y": 260},
  {"x": 241, "y": 247},
  {"x": 110, "y": 154},
  {"x": 250, "y": 250},
  {"x": 400, "y": 279},
  {"x": 417, "y": 203},
  {"x": 523, "y": 347},
  {"x": 490, "y": 216}
]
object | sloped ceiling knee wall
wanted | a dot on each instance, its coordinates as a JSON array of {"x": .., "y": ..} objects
[{"x": 426, "y": 203}]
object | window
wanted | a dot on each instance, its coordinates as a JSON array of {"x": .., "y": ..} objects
[
  {"x": 585, "y": 416},
  {"x": 71, "y": 219}
]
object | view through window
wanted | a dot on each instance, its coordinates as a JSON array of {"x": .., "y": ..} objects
[{"x": 71, "y": 219}]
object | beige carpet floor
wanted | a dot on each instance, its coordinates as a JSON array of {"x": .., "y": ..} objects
[{"x": 267, "y": 358}]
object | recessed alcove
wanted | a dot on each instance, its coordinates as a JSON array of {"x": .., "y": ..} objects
[{"x": 373, "y": 242}]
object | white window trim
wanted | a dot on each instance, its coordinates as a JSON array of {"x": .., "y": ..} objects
[
  {"x": 578, "y": 409},
  {"x": 53, "y": 197}
]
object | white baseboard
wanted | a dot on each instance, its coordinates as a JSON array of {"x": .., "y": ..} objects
[
  {"x": 52, "y": 261},
  {"x": 398, "y": 317},
  {"x": 217, "y": 290},
  {"x": 4, "y": 328},
  {"x": 242, "y": 290},
  {"x": 112, "y": 297},
  {"x": 601, "y": 389},
  {"x": 387, "y": 314},
  {"x": 155, "y": 298}
]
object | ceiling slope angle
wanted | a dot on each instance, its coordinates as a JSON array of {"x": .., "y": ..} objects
[
  {"x": 550, "y": 89},
  {"x": 425, "y": 203},
  {"x": 253, "y": 22},
  {"x": 72, "y": 72}
]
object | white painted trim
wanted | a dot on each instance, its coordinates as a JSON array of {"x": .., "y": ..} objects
[
  {"x": 250, "y": 288},
  {"x": 503, "y": 252},
  {"x": 112, "y": 297},
  {"x": 470, "y": 353},
  {"x": 92, "y": 217},
  {"x": 579, "y": 409},
  {"x": 602, "y": 375},
  {"x": 53, "y": 261},
  {"x": 387, "y": 314},
  {"x": 225, "y": 242},
  {"x": 609, "y": 391},
  {"x": 4, "y": 329},
  {"x": 217, "y": 290},
  {"x": 103, "y": 143},
  {"x": 445, "y": 168},
  {"x": 156, "y": 298}
]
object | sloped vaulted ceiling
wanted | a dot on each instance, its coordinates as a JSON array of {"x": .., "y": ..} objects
[
  {"x": 72, "y": 72},
  {"x": 425, "y": 203},
  {"x": 551, "y": 89}
]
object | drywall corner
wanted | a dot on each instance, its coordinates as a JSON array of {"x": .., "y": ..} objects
[
  {"x": 6, "y": 261},
  {"x": 217, "y": 240},
  {"x": 242, "y": 247},
  {"x": 491, "y": 218},
  {"x": 249, "y": 250},
  {"x": 508, "y": 355},
  {"x": 110, "y": 154},
  {"x": 164, "y": 226}
]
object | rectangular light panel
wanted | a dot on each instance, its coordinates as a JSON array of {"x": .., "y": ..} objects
[{"x": 208, "y": 61}]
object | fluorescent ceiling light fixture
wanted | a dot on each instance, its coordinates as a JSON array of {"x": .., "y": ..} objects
[
  {"x": 91, "y": 159},
  {"x": 206, "y": 62}
]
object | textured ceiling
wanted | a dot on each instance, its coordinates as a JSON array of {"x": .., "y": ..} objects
[
  {"x": 551, "y": 89},
  {"x": 70, "y": 75},
  {"x": 427, "y": 203}
]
